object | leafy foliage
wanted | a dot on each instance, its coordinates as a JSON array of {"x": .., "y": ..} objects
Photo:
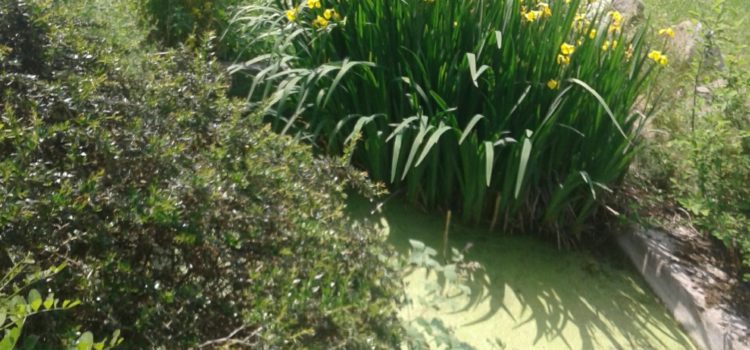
[
  {"x": 463, "y": 102},
  {"x": 178, "y": 21},
  {"x": 712, "y": 165},
  {"x": 699, "y": 153},
  {"x": 184, "y": 220},
  {"x": 15, "y": 309}
]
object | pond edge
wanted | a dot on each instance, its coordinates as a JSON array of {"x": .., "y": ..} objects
[{"x": 655, "y": 255}]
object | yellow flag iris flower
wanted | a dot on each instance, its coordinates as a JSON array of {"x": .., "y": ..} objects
[
  {"x": 668, "y": 32},
  {"x": 291, "y": 14},
  {"x": 658, "y": 57}
]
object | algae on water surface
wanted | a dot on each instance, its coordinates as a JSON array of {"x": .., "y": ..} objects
[{"x": 534, "y": 296}]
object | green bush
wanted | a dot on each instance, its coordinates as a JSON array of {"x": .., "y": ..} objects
[
  {"x": 176, "y": 22},
  {"x": 712, "y": 169},
  {"x": 27, "y": 49},
  {"x": 15, "y": 308},
  {"x": 183, "y": 219},
  {"x": 513, "y": 109},
  {"x": 698, "y": 154}
]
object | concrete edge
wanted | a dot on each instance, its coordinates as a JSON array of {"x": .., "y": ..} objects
[{"x": 653, "y": 253}]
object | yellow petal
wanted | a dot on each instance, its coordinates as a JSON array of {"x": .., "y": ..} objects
[{"x": 567, "y": 49}]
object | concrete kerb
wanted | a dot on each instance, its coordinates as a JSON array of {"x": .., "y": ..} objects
[{"x": 673, "y": 281}]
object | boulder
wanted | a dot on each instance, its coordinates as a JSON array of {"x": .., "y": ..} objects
[
  {"x": 597, "y": 7},
  {"x": 686, "y": 43},
  {"x": 690, "y": 41},
  {"x": 630, "y": 9}
]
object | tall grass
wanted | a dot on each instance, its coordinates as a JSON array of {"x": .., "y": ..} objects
[{"x": 473, "y": 105}]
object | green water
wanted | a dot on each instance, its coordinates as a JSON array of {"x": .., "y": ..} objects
[{"x": 534, "y": 296}]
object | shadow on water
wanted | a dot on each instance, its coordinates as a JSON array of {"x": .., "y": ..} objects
[{"x": 531, "y": 295}]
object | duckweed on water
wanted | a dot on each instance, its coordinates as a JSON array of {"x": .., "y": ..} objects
[{"x": 533, "y": 295}]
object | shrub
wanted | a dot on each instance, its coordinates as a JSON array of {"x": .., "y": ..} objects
[
  {"x": 22, "y": 38},
  {"x": 15, "y": 309},
  {"x": 700, "y": 151},
  {"x": 183, "y": 219},
  {"x": 175, "y": 22},
  {"x": 513, "y": 109},
  {"x": 712, "y": 163}
]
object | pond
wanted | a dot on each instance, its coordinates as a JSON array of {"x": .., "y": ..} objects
[{"x": 534, "y": 296}]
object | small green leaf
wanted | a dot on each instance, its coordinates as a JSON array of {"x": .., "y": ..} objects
[
  {"x": 439, "y": 100},
  {"x": 423, "y": 130},
  {"x": 396, "y": 154},
  {"x": 85, "y": 342},
  {"x": 361, "y": 122},
  {"x": 115, "y": 338},
  {"x": 587, "y": 180},
  {"x": 400, "y": 127},
  {"x": 49, "y": 302},
  {"x": 35, "y": 300},
  {"x": 489, "y": 156},
  {"x": 449, "y": 271},
  {"x": 416, "y": 257},
  {"x": 431, "y": 142},
  {"x": 432, "y": 263},
  {"x": 67, "y": 304},
  {"x": 9, "y": 340},
  {"x": 19, "y": 303},
  {"x": 430, "y": 251},
  {"x": 525, "y": 153},
  {"x": 475, "y": 73},
  {"x": 416, "y": 245},
  {"x": 469, "y": 127},
  {"x": 345, "y": 67},
  {"x": 60, "y": 267}
]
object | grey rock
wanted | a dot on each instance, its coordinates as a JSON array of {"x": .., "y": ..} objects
[
  {"x": 703, "y": 90},
  {"x": 597, "y": 7},
  {"x": 719, "y": 84},
  {"x": 690, "y": 41},
  {"x": 630, "y": 9},
  {"x": 686, "y": 43}
]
